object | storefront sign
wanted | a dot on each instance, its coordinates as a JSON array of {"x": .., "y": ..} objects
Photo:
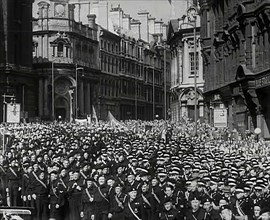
[{"x": 220, "y": 117}]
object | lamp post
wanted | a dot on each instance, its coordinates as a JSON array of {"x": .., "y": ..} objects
[
  {"x": 76, "y": 97},
  {"x": 154, "y": 88},
  {"x": 53, "y": 89},
  {"x": 165, "y": 79},
  {"x": 192, "y": 17}
]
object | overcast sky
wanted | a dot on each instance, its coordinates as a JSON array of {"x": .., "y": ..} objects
[{"x": 160, "y": 9}]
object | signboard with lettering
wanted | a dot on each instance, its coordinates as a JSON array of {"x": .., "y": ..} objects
[
  {"x": 263, "y": 81},
  {"x": 220, "y": 117},
  {"x": 13, "y": 113}
]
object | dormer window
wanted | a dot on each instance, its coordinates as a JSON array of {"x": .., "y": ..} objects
[{"x": 60, "y": 49}]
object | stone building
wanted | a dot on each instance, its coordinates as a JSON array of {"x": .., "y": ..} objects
[
  {"x": 16, "y": 76},
  {"x": 183, "y": 69},
  {"x": 129, "y": 57},
  {"x": 236, "y": 51},
  {"x": 66, "y": 61}
]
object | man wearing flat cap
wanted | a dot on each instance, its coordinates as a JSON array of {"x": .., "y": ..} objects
[{"x": 169, "y": 212}]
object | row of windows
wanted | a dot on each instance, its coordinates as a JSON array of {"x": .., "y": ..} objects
[
  {"x": 130, "y": 89},
  {"x": 109, "y": 46}
]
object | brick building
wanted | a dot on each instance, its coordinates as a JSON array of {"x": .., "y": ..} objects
[{"x": 236, "y": 51}]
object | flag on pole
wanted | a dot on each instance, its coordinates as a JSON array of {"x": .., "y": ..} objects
[
  {"x": 94, "y": 115},
  {"x": 170, "y": 1}
]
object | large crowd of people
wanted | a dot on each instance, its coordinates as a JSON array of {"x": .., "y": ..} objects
[{"x": 138, "y": 171}]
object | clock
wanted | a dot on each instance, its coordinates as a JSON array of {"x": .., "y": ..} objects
[{"x": 59, "y": 10}]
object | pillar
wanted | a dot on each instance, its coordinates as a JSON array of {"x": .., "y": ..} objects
[
  {"x": 40, "y": 98},
  {"x": 81, "y": 99},
  {"x": 87, "y": 99},
  {"x": 46, "y": 110}
]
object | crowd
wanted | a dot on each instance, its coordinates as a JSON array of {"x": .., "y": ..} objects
[{"x": 66, "y": 171}]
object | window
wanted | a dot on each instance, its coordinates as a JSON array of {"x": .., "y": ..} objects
[
  {"x": 60, "y": 49},
  {"x": 192, "y": 63}
]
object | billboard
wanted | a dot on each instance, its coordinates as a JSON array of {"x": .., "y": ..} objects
[
  {"x": 13, "y": 113},
  {"x": 220, "y": 117}
]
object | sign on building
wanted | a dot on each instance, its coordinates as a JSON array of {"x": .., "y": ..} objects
[
  {"x": 220, "y": 117},
  {"x": 13, "y": 113}
]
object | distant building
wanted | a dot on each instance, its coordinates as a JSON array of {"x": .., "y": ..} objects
[
  {"x": 236, "y": 51},
  {"x": 16, "y": 76},
  {"x": 183, "y": 69},
  {"x": 66, "y": 61}
]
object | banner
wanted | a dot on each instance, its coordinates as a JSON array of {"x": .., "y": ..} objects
[
  {"x": 114, "y": 123},
  {"x": 220, "y": 117},
  {"x": 94, "y": 115},
  {"x": 13, "y": 113}
]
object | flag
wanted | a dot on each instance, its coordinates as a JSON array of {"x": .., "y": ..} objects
[
  {"x": 170, "y": 1},
  {"x": 94, "y": 115},
  {"x": 114, "y": 123}
]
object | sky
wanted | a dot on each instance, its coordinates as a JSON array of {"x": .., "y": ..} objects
[{"x": 160, "y": 9}]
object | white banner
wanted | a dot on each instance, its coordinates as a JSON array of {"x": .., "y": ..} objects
[
  {"x": 220, "y": 117},
  {"x": 13, "y": 113}
]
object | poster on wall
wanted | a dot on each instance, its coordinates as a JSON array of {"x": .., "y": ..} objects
[
  {"x": 220, "y": 117},
  {"x": 13, "y": 113}
]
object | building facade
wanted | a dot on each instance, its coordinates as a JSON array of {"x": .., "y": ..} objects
[
  {"x": 185, "y": 66},
  {"x": 16, "y": 77},
  {"x": 132, "y": 65},
  {"x": 66, "y": 61},
  {"x": 235, "y": 46}
]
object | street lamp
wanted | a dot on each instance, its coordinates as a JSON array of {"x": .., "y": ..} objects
[
  {"x": 154, "y": 88},
  {"x": 165, "y": 79},
  {"x": 53, "y": 89},
  {"x": 76, "y": 103},
  {"x": 192, "y": 17}
]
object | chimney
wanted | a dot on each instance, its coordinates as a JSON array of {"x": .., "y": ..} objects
[
  {"x": 143, "y": 17},
  {"x": 92, "y": 20},
  {"x": 158, "y": 27},
  {"x": 136, "y": 28},
  {"x": 151, "y": 23},
  {"x": 126, "y": 22},
  {"x": 116, "y": 15}
]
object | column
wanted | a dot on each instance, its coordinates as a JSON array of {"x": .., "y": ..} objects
[
  {"x": 40, "y": 102},
  {"x": 46, "y": 111},
  {"x": 87, "y": 99},
  {"x": 81, "y": 99}
]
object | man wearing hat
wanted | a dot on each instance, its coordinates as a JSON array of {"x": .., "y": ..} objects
[
  {"x": 133, "y": 206},
  {"x": 117, "y": 201},
  {"x": 195, "y": 212},
  {"x": 208, "y": 207},
  {"x": 87, "y": 206},
  {"x": 226, "y": 213},
  {"x": 101, "y": 199},
  {"x": 169, "y": 212},
  {"x": 74, "y": 192}
]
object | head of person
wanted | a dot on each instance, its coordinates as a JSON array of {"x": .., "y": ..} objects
[
  {"x": 207, "y": 204},
  {"x": 132, "y": 193},
  {"x": 168, "y": 204},
  {"x": 89, "y": 182},
  {"x": 101, "y": 180},
  {"x": 256, "y": 210},
  {"x": 195, "y": 202},
  {"x": 145, "y": 187},
  {"x": 118, "y": 188},
  {"x": 169, "y": 190},
  {"x": 226, "y": 212},
  {"x": 131, "y": 177}
]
